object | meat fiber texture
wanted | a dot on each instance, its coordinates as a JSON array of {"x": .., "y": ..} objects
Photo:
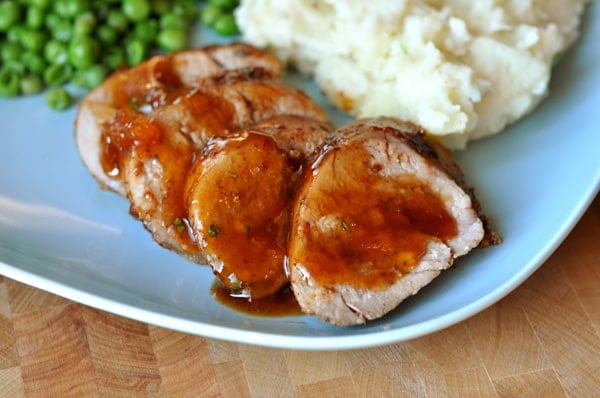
[{"x": 459, "y": 68}]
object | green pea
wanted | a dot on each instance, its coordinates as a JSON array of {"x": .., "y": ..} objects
[
  {"x": 160, "y": 7},
  {"x": 16, "y": 66},
  {"x": 35, "y": 17},
  {"x": 83, "y": 52},
  {"x": 106, "y": 35},
  {"x": 58, "y": 74},
  {"x": 70, "y": 8},
  {"x": 185, "y": 8},
  {"x": 135, "y": 52},
  {"x": 84, "y": 24},
  {"x": 41, "y": 4},
  {"x": 117, "y": 20},
  {"x": 56, "y": 52},
  {"x": 33, "y": 62},
  {"x": 173, "y": 21},
  {"x": 14, "y": 34},
  {"x": 51, "y": 20},
  {"x": 78, "y": 78},
  {"x": 172, "y": 39},
  {"x": 62, "y": 30},
  {"x": 114, "y": 58},
  {"x": 225, "y": 25},
  {"x": 31, "y": 84},
  {"x": 100, "y": 9},
  {"x": 136, "y": 10},
  {"x": 10, "y": 15},
  {"x": 96, "y": 75},
  {"x": 226, "y": 5},
  {"x": 58, "y": 98},
  {"x": 32, "y": 39},
  {"x": 146, "y": 30},
  {"x": 210, "y": 14},
  {"x": 9, "y": 82},
  {"x": 91, "y": 77},
  {"x": 10, "y": 51}
]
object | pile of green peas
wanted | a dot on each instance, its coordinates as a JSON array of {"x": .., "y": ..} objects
[
  {"x": 47, "y": 44},
  {"x": 218, "y": 15}
]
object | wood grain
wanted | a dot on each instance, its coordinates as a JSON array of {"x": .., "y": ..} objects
[{"x": 543, "y": 340}]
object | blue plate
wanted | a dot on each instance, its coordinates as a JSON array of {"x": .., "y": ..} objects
[{"x": 61, "y": 233}]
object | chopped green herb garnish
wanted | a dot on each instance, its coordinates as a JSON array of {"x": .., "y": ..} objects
[
  {"x": 232, "y": 174},
  {"x": 179, "y": 224},
  {"x": 213, "y": 231},
  {"x": 136, "y": 104},
  {"x": 345, "y": 226},
  {"x": 237, "y": 285}
]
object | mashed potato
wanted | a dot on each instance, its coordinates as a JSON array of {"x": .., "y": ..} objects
[{"x": 462, "y": 69}]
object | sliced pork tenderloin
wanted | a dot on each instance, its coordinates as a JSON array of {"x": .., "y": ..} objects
[
  {"x": 147, "y": 85},
  {"x": 378, "y": 216},
  {"x": 238, "y": 199}
]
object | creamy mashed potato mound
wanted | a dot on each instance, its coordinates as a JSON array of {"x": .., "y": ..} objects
[{"x": 462, "y": 69}]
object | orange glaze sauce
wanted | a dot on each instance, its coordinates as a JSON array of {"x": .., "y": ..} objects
[
  {"x": 147, "y": 83},
  {"x": 281, "y": 303},
  {"x": 164, "y": 136},
  {"x": 245, "y": 188},
  {"x": 128, "y": 129},
  {"x": 372, "y": 230},
  {"x": 131, "y": 135}
]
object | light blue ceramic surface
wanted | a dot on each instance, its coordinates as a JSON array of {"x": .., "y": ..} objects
[{"x": 61, "y": 233}]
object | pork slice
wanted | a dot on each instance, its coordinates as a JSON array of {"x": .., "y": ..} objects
[
  {"x": 229, "y": 102},
  {"x": 380, "y": 214},
  {"x": 155, "y": 176},
  {"x": 238, "y": 198},
  {"x": 149, "y": 84},
  {"x": 240, "y": 55},
  {"x": 154, "y": 171}
]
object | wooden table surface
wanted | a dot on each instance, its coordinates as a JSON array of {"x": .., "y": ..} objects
[{"x": 541, "y": 340}]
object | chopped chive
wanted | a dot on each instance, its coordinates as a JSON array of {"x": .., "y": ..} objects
[
  {"x": 137, "y": 105},
  {"x": 179, "y": 224},
  {"x": 213, "y": 231},
  {"x": 345, "y": 226}
]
